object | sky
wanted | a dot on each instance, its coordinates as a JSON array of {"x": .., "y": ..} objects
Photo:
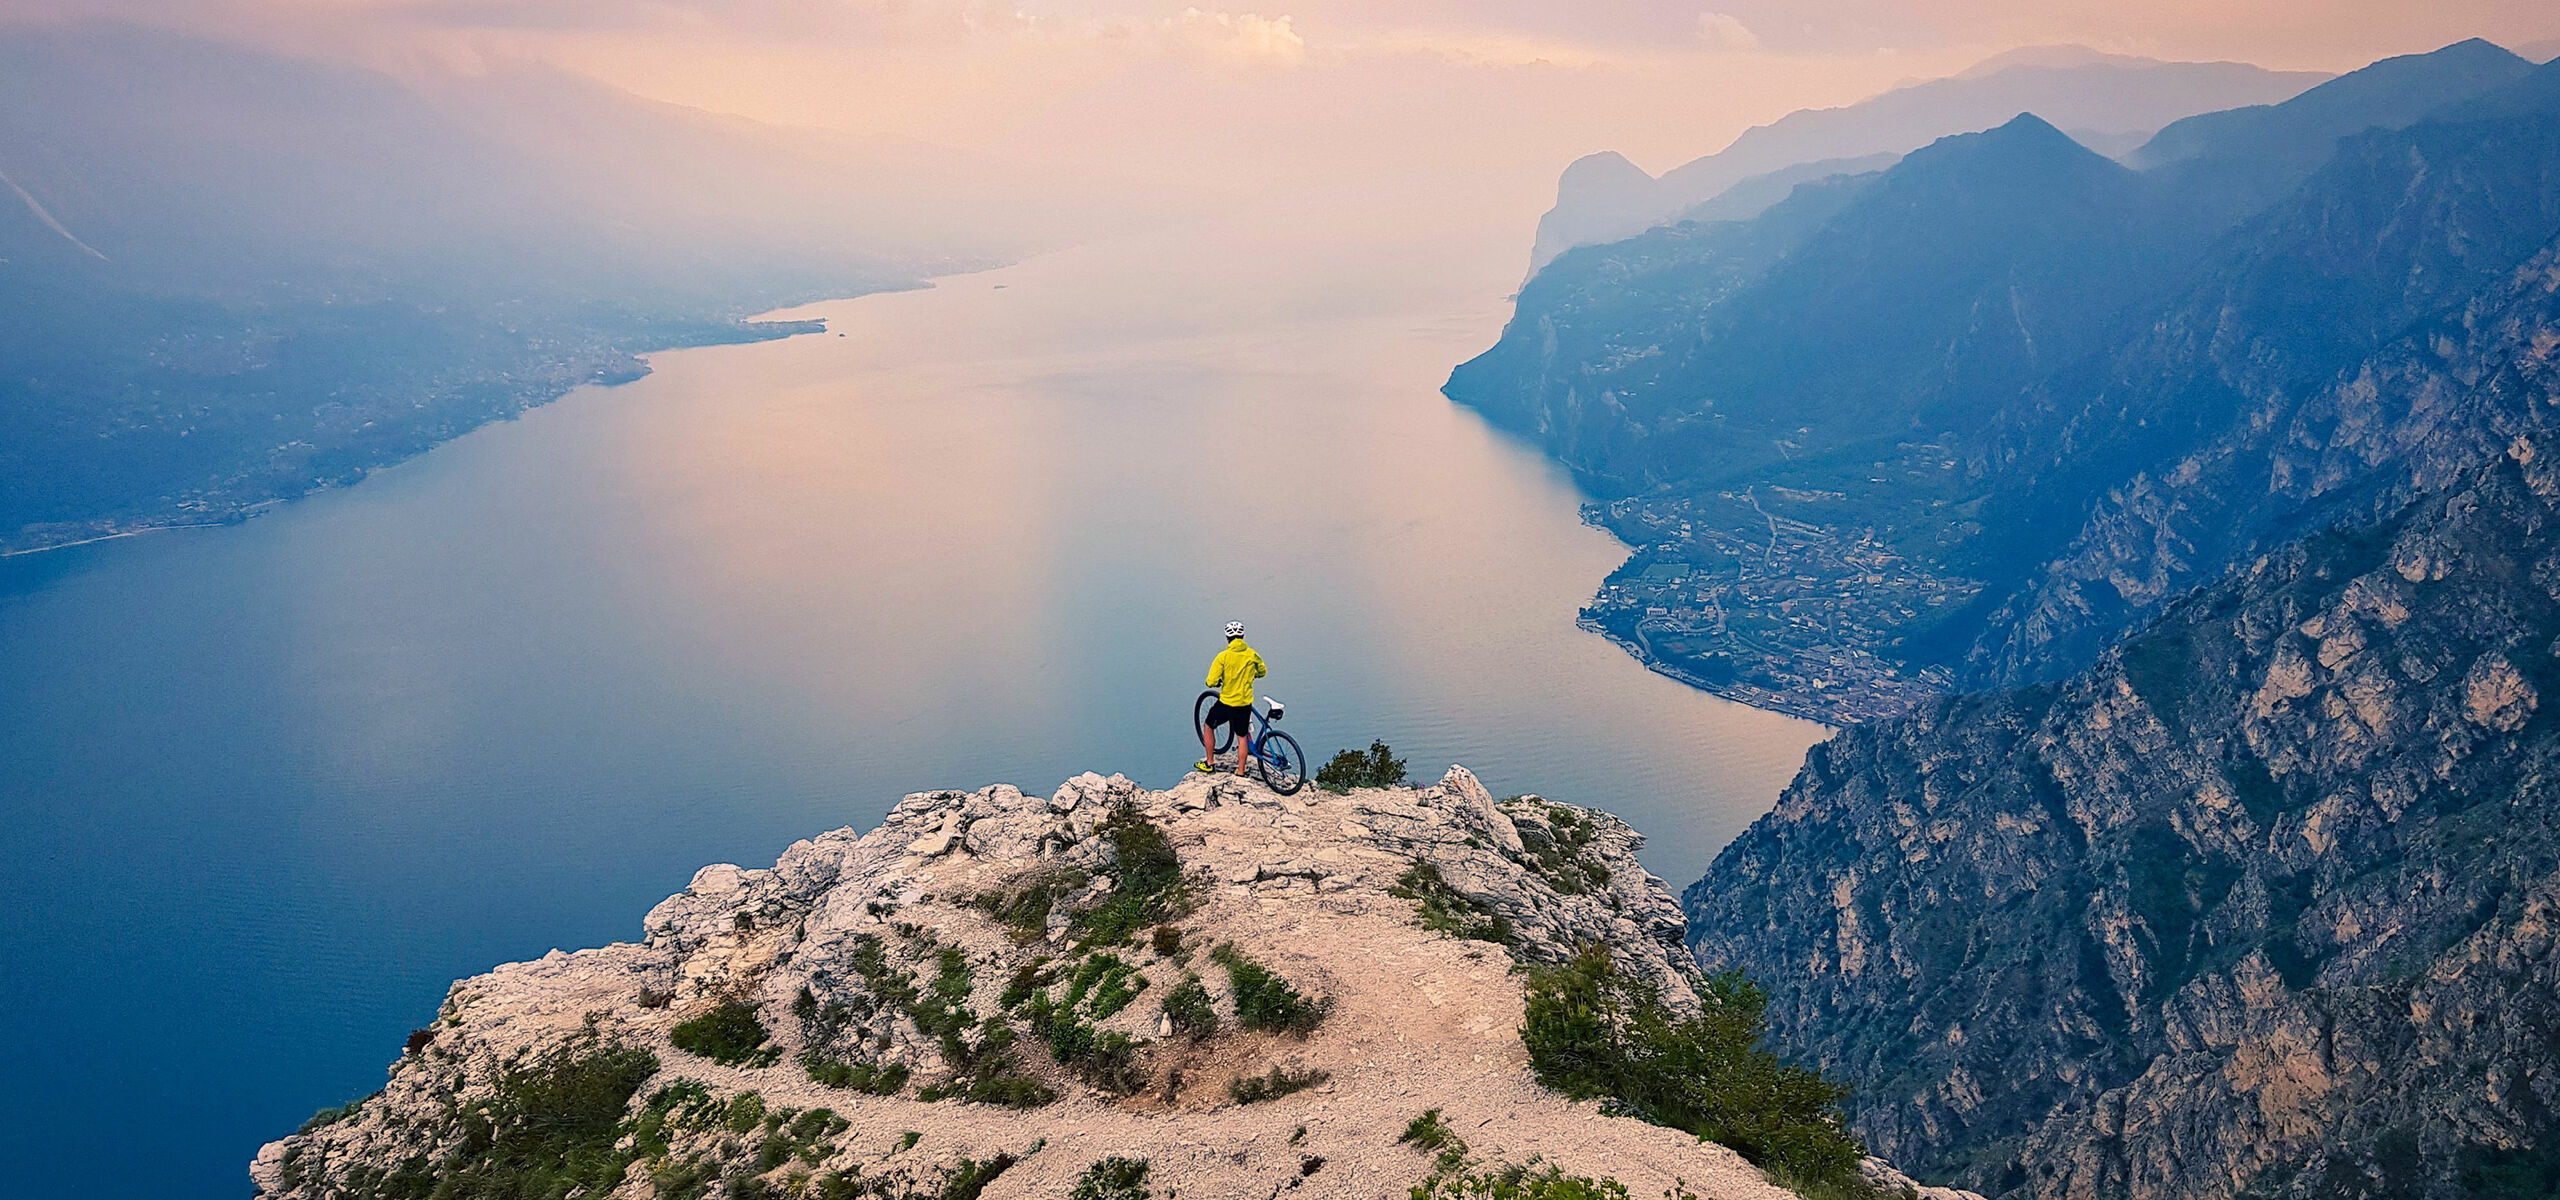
[{"x": 1290, "y": 97}]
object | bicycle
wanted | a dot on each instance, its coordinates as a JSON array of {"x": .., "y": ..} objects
[{"x": 1276, "y": 756}]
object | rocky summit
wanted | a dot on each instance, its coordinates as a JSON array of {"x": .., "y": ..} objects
[{"x": 1210, "y": 991}]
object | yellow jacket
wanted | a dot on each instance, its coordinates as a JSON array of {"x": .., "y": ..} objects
[{"x": 1233, "y": 673}]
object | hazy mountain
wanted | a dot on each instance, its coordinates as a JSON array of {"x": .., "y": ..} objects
[
  {"x": 1951, "y": 432},
  {"x": 233, "y": 276},
  {"x": 1751, "y": 197},
  {"x": 2069, "y": 87},
  {"x": 2244, "y": 159},
  {"x": 2360, "y": 340}
]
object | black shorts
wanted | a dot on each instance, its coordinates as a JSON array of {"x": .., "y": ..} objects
[{"x": 1236, "y": 717}]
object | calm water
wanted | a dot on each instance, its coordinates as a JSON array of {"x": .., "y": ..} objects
[{"x": 268, "y": 789}]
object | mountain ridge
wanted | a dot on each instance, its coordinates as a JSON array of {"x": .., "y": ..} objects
[
  {"x": 2243, "y": 909},
  {"x": 2107, "y": 94},
  {"x": 1962, "y": 471}
]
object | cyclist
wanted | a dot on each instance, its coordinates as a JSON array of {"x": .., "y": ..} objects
[{"x": 1232, "y": 673}]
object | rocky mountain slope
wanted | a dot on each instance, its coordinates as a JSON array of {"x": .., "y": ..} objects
[
  {"x": 1231, "y": 992},
  {"x": 2264, "y": 903},
  {"x": 1969, "y": 420}
]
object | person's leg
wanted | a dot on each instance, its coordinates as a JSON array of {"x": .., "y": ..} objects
[
  {"x": 1209, "y": 745},
  {"x": 1244, "y": 734}
]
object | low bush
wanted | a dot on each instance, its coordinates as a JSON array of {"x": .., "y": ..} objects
[
  {"x": 729, "y": 1034},
  {"x": 1442, "y": 908},
  {"x": 1113, "y": 1179},
  {"x": 1188, "y": 1006},
  {"x": 1376, "y": 768},
  {"x": 1593, "y": 1032},
  {"x": 1105, "y": 1058},
  {"x": 548, "y": 1130},
  {"x": 1515, "y": 1181},
  {"x": 1428, "y": 1133},
  {"x": 869, "y": 1078},
  {"x": 1023, "y": 904},
  {"x": 1265, "y": 1001},
  {"x": 1255, "y": 1089},
  {"x": 1146, "y": 883},
  {"x": 968, "y": 1178},
  {"x": 1009, "y": 1091},
  {"x": 1564, "y": 860}
]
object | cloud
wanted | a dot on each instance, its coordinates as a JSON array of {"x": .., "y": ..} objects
[
  {"x": 1724, "y": 33},
  {"x": 1248, "y": 36}
]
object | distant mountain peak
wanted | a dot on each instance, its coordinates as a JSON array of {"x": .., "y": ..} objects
[
  {"x": 1608, "y": 168},
  {"x": 2054, "y": 57},
  {"x": 2023, "y": 142}
]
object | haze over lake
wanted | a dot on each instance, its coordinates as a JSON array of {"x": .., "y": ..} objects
[{"x": 271, "y": 787}]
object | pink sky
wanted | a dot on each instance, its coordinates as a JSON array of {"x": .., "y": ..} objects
[{"x": 1282, "y": 96}]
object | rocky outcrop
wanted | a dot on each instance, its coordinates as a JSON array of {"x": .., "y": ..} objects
[
  {"x": 2264, "y": 903},
  {"x": 1006, "y": 986}
]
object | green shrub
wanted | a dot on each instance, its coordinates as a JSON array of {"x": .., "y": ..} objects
[
  {"x": 1107, "y": 1059},
  {"x": 331, "y": 1116},
  {"x": 1265, "y": 1001},
  {"x": 1167, "y": 940},
  {"x": 1442, "y": 908},
  {"x": 1348, "y": 769},
  {"x": 1592, "y": 1031},
  {"x": 943, "y": 1010},
  {"x": 1514, "y": 1181},
  {"x": 1564, "y": 860},
  {"x": 1188, "y": 1006},
  {"x": 1009, "y": 1091},
  {"x": 804, "y": 1136},
  {"x": 1146, "y": 883},
  {"x": 884, "y": 984},
  {"x": 1113, "y": 1179},
  {"x": 869, "y": 1078},
  {"x": 729, "y": 1034},
  {"x": 969, "y": 1178},
  {"x": 1254, "y": 1089},
  {"x": 746, "y": 1111},
  {"x": 1027, "y": 979},
  {"x": 1428, "y": 1132},
  {"x": 1023, "y": 904}
]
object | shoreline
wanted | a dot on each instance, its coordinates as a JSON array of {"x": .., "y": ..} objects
[
  {"x": 752, "y": 330},
  {"x": 129, "y": 533}
]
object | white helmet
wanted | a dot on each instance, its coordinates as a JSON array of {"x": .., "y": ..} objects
[{"x": 1235, "y": 629}]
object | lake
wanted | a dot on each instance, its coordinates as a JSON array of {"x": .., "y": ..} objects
[{"x": 269, "y": 788}]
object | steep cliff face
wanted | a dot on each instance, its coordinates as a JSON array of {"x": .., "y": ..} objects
[
  {"x": 1244, "y": 994},
  {"x": 2266, "y": 902}
]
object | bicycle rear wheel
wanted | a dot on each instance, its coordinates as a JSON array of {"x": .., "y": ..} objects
[
  {"x": 1200, "y": 721},
  {"x": 1284, "y": 766}
]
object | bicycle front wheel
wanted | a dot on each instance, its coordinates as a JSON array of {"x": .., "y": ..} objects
[
  {"x": 1284, "y": 766},
  {"x": 1200, "y": 721}
]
